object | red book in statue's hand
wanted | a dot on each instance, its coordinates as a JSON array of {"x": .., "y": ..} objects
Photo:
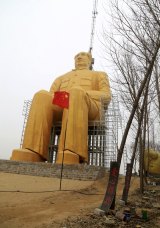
[{"x": 61, "y": 98}]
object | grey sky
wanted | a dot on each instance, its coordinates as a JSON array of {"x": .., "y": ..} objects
[{"x": 38, "y": 41}]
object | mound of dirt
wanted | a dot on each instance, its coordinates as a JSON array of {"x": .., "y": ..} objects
[{"x": 38, "y": 202}]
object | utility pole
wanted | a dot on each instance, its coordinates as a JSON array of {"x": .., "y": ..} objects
[{"x": 94, "y": 14}]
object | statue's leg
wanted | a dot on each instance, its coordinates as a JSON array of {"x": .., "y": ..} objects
[
  {"x": 38, "y": 129},
  {"x": 74, "y": 133}
]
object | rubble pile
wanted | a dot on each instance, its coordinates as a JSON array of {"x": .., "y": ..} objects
[{"x": 142, "y": 211}]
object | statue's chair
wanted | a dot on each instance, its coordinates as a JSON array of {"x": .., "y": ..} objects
[{"x": 96, "y": 143}]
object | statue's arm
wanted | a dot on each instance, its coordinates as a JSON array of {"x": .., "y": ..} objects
[
  {"x": 103, "y": 90},
  {"x": 55, "y": 86}
]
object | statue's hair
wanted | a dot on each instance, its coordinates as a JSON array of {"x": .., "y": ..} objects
[{"x": 86, "y": 53}]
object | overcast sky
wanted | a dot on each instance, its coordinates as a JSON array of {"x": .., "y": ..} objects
[{"x": 38, "y": 41}]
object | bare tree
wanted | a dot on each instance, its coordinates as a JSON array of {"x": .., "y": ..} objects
[{"x": 134, "y": 48}]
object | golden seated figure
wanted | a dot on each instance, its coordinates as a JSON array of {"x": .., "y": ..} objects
[
  {"x": 152, "y": 161},
  {"x": 85, "y": 88}
]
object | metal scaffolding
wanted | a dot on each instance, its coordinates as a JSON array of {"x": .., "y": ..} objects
[
  {"x": 25, "y": 113},
  {"x": 102, "y": 134}
]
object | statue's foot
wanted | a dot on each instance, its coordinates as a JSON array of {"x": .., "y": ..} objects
[
  {"x": 68, "y": 158},
  {"x": 26, "y": 155}
]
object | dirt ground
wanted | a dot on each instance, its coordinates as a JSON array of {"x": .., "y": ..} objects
[{"x": 38, "y": 202}]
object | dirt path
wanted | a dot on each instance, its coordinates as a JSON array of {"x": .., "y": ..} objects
[{"x": 30, "y": 202}]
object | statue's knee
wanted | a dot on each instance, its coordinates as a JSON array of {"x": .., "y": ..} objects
[{"x": 42, "y": 93}]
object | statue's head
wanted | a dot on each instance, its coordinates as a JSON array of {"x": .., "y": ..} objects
[
  {"x": 152, "y": 161},
  {"x": 83, "y": 60}
]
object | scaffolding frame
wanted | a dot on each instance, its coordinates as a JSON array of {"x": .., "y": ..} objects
[{"x": 25, "y": 113}]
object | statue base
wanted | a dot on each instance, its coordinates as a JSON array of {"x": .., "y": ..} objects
[
  {"x": 25, "y": 155},
  {"x": 69, "y": 158}
]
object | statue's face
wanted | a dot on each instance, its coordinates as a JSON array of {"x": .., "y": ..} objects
[
  {"x": 82, "y": 61},
  {"x": 152, "y": 161}
]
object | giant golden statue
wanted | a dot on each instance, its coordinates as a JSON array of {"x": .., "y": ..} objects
[
  {"x": 85, "y": 88},
  {"x": 152, "y": 161}
]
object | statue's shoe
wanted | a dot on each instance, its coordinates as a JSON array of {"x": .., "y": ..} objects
[
  {"x": 26, "y": 155},
  {"x": 67, "y": 157}
]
